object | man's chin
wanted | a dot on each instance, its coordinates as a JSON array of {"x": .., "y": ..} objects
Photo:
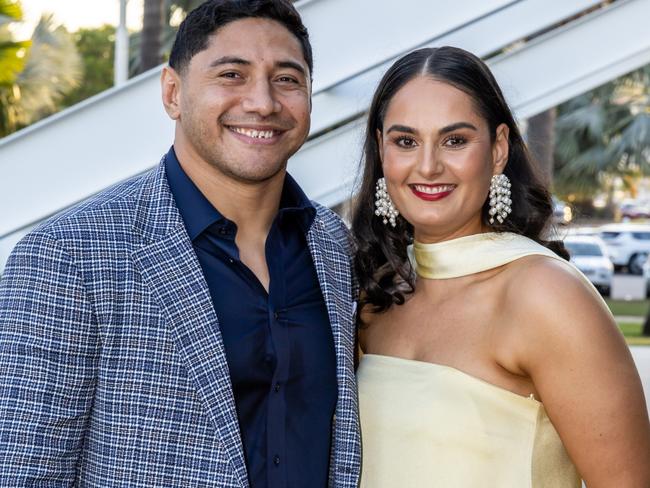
[{"x": 255, "y": 174}]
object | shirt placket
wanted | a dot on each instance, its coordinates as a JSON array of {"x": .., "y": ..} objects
[{"x": 279, "y": 336}]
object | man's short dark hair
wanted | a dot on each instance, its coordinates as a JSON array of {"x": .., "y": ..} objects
[{"x": 202, "y": 22}]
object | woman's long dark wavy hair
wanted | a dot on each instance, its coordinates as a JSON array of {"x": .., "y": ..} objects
[{"x": 382, "y": 265}]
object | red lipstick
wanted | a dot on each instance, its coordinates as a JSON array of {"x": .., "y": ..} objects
[{"x": 432, "y": 193}]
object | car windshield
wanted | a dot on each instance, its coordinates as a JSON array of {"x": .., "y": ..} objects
[{"x": 583, "y": 249}]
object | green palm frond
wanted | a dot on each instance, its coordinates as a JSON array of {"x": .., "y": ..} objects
[
  {"x": 53, "y": 68},
  {"x": 633, "y": 143},
  {"x": 567, "y": 148},
  {"x": 12, "y": 60},
  {"x": 10, "y": 10},
  {"x": 589, "y": 120},
  {"x": 590, "y": 162}
]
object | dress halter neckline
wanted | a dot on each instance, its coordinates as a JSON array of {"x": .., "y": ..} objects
[{"x": 472, "y": 254}]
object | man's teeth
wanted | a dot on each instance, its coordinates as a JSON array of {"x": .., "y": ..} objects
[
  {"x": 432, "y": 190},
  {"x": 256, "y": 134}
]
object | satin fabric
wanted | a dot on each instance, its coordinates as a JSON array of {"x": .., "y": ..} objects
[{"x": 430, "y": 425}]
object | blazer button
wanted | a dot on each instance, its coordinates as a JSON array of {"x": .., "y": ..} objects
[{"x": 276, "y": 460}]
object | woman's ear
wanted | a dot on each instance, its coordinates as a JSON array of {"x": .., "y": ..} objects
[{"x": 500, "y": 148}]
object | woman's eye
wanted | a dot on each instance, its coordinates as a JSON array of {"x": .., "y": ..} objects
[
  {"x": 454, "y": 141},
  {"x": 405, "y": 142}
]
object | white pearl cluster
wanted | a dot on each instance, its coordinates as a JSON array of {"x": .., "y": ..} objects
[
  {"x": 500, "y": 203},
  {"x": 384, "y": 205}
]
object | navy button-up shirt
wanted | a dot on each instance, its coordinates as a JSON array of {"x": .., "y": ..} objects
[{"x": 279, "y": 345}]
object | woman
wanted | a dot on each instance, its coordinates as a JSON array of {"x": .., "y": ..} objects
[{"x": 495, "y": 363}]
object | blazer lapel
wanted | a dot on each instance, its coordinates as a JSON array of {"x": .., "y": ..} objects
[
  {"x": 170, "y": 269},
  {"x": 333, "y": 270},
  {"x": 334, "y": 280}
]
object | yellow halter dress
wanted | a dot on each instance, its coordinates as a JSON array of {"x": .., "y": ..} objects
[{"x": 429, "y": 425}]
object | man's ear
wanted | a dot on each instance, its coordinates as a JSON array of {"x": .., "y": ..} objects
[
  {"x": 170, "y": 84},
  {"x": 500, "y": 149}
]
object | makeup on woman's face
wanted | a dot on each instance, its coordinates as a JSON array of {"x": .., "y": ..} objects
[{"x": 437, "y": 158}]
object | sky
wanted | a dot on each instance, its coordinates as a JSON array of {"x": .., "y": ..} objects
[{"x": 80, "y": 13}]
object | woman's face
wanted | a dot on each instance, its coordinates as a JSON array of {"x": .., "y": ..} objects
[{"x": 438, "y": 158}]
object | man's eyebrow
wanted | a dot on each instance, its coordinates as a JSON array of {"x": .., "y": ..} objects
[
  {"x": 401, "y": 128},
  {"x": 228, "y": 60},
  {"x": 456, "y": 126},
  {"x": 291, "y": 65},
  {"x": 236, "y": 60}
]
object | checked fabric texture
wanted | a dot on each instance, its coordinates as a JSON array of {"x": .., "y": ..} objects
[{"x": 112, "y": 367}]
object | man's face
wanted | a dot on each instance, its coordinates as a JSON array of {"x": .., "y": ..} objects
[{"x": 244, "y": 101}]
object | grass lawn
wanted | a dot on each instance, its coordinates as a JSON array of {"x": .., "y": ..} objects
[
  {"x": 631, "y": 330},
  {"x": 632, "y": 333},
  {"x": 635, "y": 308}
]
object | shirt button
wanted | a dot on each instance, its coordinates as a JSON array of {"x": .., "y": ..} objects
[
  {"x": 277, "y": 388},
  {"x": 276, "y": 460}
]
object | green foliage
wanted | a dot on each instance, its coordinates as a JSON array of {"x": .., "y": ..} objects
[
  {"x": 96, "y": 46},
  {"x": 12, "y": 60},
  {"x": 51, "y": 68},
  {"x": 10, "y": 10},
  {"x": 604, "y": 133},
  {"x": 175, "y": 12}
]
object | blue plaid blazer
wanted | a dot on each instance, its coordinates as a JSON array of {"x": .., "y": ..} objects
[{"x": 112, "y": 366}]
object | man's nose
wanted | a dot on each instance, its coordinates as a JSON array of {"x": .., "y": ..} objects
[{"x": 260, "y": 99}]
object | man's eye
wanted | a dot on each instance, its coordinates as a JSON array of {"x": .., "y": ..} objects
[
  {"x": 287, "y": 79},
  {"x": 231, "y": 75}
]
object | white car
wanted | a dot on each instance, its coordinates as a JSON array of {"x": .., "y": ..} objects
[
  {"x": 628, "y": 245},
  {"x": 589, "y": 255}
]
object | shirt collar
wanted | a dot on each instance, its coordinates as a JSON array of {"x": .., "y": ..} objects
[
  {"x": 196, "y": 210},
  {"x": 198, "y": 213},
  {"x": 294, "y": 202}
]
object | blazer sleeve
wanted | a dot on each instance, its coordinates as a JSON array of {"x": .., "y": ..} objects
[{"x": 49, "y": 349}]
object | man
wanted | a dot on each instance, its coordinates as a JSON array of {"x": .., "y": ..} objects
[{"x": 192, "y": 326}]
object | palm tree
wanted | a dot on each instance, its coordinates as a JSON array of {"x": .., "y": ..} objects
[
  {"x": 53, "y": 68},
  {"x": 604, "y": 133},
  {"x": 49, "y": 67},
  {"x": 153, "y": 22},
  {"x": 12, "y": 62},
  {"x": 541, "y": 140},
  {"x": 152, "y": 45}
]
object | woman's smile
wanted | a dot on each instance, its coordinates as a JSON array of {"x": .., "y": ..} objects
[{"x": 430, "y": 192}]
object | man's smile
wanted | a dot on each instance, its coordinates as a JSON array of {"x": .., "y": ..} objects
[{"x": 256, "y": 135}]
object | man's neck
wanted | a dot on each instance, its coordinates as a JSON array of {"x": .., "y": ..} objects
[{"x": 252, "y": 206}]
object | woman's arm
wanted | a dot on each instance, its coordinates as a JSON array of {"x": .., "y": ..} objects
[{"x": 584, "y": 372}]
